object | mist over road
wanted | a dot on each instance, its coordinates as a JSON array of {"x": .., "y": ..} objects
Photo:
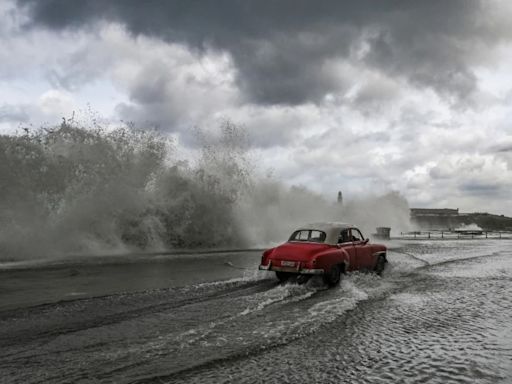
[{"x": 440, "y": 314}]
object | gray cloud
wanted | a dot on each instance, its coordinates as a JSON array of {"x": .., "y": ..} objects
[
  {"x": 13, "y": 113},
  {"x": 281, "y": 49},
  {"x": 502, "y": 147},
  {"x": 503, "y": 150},
  {"x": 480, "y": 188}
]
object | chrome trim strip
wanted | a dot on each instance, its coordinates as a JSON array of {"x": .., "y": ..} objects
[
  {"x": 312, "y": 271},
  {"x": 303, "y": 271}
]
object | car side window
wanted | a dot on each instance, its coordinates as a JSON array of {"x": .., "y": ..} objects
[
  {"x": 344, "y": 236},
  {"x": 357, "y": 235}
]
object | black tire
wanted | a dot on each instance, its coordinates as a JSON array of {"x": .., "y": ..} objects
[
  {"x": 333, "y": 276},
  {"x": 380, "y": 266},
  {"x": 303, "y": 279},
  {"x": 283, "y": 276}
]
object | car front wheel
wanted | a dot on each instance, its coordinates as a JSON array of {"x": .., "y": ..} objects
[
  {"x": 381, "y": 264},
  {"x": 333, "y": 276}
]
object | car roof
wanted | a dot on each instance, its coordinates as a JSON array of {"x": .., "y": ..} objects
[{"x": 331, "y": 229}]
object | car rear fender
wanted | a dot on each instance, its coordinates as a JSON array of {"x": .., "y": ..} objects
[
  {"x": 327, "y": 259},
  {"x": 266, "y": 256}
]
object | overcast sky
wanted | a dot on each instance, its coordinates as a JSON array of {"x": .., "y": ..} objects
[{"x": 362, "y": 96}]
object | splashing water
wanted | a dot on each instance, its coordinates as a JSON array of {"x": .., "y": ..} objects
[
  {"x": 71, "y": 190},
  {"x": 75, "y": 190}
]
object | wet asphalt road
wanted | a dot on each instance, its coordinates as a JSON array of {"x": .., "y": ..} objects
[{"x": 441, "y": 313}]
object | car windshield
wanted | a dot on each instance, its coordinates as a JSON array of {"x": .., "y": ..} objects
[{"x": 311, "y": 235}]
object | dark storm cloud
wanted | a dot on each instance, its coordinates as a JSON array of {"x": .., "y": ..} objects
[{"x": 282, "y": 48}]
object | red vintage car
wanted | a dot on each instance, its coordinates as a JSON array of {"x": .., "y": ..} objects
[{"x": 327, "y": 249}]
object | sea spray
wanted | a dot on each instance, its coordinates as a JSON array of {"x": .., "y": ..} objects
[
  {"x": 71, "y": 190},
  {"x": 271, "y": 210}
]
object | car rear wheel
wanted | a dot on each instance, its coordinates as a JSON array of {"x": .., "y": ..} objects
[
  {"x": 283, "y": 276},
  {"x": 381, "y": 264},
  {"x": 303, "y": 279},
  {"x": 333, "y": 276}
]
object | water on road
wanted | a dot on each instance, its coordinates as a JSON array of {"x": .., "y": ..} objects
[{"x": 441, "y": 313}]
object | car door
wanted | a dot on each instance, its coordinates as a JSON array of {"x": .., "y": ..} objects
[
  {"x": 345, "y": 243},
  {"x": 362, "y": 249}
]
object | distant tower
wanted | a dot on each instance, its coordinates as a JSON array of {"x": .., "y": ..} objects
[{"x": 340, "y": 198}]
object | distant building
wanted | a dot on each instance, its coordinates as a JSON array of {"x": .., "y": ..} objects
[
  {"x": 383, "y": 233},
  {"x": 434, "y": 212},
  {"x": 435, "y": 218},
  {"x": 452, "y": 219}
]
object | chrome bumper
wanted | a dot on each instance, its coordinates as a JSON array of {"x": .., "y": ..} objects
[{"x": 302, "y": 271}]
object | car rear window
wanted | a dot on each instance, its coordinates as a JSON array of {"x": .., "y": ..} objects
[{"x": 311, "y": 235}]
